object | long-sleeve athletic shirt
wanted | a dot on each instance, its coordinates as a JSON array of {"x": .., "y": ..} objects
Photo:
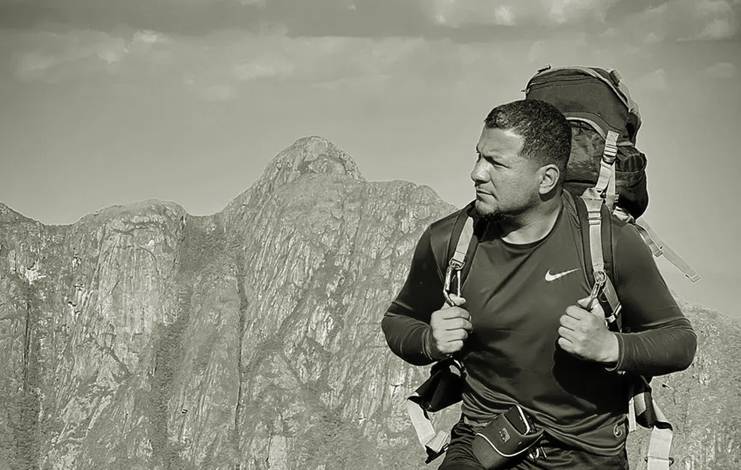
[{"x": 516, "y": 294}]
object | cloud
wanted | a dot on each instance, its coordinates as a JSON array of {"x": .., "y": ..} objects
[
  {"x": 44, "y": 55},
  {"x": 147, "y": 37},
  {"x": 712, "y": 19},
  {"x": 721, "y": 70},
  {"x": 466, "y": 21},
  {"x": 653, "y": 81},
  {"x": 652, "y": 38},
  {"x": 458, "y": 13},
  {"x": 570, "y": 11},
  {"x": 38, "y": 55},
  {"x": 455, "y": 13},
  {"x": 231, "y": 62},
  {"x": 686, "y": 20},
  {"x": 218, "y": 93},
  {"x": 537, "y": 52},
  {"x": 459, "y": 20}
]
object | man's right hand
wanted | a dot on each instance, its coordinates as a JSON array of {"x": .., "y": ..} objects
[{"x": 450, "y": 326}]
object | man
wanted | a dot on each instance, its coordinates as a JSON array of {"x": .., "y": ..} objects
[{"x": 523, "y": 327}]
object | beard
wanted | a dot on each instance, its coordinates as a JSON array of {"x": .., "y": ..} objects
[
  {"x": 489, "y": 214},
  {"x": 496, "y": 217},
  {"x": 499, "y": 217}
]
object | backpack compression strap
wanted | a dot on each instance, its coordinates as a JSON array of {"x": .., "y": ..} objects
[
  {"x": 642, "y": 408},
  {"x": 605, "y": 186},
  {"x": 659, "y": 248},
  {"x": 427, "y": 397}
]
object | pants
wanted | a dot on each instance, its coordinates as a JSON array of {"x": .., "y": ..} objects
[{"x": 459, "y": 456}]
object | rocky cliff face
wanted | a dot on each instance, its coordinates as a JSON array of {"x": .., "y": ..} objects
[{"x": 143, "y": 337}]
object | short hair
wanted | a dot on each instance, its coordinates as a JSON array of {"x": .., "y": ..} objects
[{"x": 545, "y": 131}]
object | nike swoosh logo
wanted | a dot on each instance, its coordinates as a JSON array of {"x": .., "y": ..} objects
[{"x": 552, "y": 277}]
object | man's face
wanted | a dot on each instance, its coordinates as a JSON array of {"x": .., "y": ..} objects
[{"x": 506, "y": 183}]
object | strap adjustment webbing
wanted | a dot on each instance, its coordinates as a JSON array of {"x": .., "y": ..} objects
[
  {"x": 648, "y": 414},
  {"x": 659, "y": 248},
  {"x": 433, "y": 442},
  {"x": 605, "y": 186}
]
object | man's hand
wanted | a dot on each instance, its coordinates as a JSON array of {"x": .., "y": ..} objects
[
  {"x": 450, "y": 327},
  {"x": 584, "y": 334}
]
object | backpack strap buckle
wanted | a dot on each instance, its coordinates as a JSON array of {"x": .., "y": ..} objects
[
  {"x": 453, "y": 272},
  {"x": 457, "y": 262}
]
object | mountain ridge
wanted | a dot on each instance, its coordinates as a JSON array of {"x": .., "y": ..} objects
[{"x": 145, "y": 337}]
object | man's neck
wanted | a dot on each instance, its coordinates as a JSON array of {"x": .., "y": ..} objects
[{"x": 532, "y": 225}]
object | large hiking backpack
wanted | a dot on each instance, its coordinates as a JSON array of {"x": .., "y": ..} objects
[
  {"x": 605, "y": 165},
  {"x": 600, "y": 110}
]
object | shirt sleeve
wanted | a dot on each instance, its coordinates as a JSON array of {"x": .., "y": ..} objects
[
  {"x": 657, "y": 339},
  {"x": 406, "y": 322}
]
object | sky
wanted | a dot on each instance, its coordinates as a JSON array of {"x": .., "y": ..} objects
[{"x": 105, "y": 102}]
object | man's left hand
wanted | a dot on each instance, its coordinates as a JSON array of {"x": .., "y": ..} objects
[{"x": 583, "y": 333}]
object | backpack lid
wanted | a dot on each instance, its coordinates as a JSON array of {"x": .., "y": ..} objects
[{"x": 591, "y": 94}]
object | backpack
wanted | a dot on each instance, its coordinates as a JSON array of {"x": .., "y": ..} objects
[
  {"x": 604, "y": 125},
  {"x": 605, "y": 164}
]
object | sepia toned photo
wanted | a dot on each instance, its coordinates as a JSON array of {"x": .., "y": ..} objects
[{"x": 370, "y": 234}]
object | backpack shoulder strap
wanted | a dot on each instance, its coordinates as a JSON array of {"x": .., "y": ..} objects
[
  {"x": 461, "y": 249},
  {"x": 642, "y": 408},
  {"x": 595, "y": 224},
  {"x": 454, "y": 239},
  {"x": 605, "y": 235}
]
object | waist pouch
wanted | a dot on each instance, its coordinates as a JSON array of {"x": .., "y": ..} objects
[
  {"x": 508, "y": 436},
  {"x": 443, "y": 388}
]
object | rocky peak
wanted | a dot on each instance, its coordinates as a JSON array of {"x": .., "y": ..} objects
[
  {"x": 308, "y": 155},
  {"x": 8, "y": 215},
  {"x": 312, "y": 155}
]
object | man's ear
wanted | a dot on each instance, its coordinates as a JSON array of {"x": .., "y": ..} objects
[{"x": 549, "y": 176}]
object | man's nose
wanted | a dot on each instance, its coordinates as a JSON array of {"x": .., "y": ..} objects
[{"x": 478, "y": 174}]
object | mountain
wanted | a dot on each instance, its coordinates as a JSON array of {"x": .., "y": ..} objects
[{"x": 143, "y": 337}]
